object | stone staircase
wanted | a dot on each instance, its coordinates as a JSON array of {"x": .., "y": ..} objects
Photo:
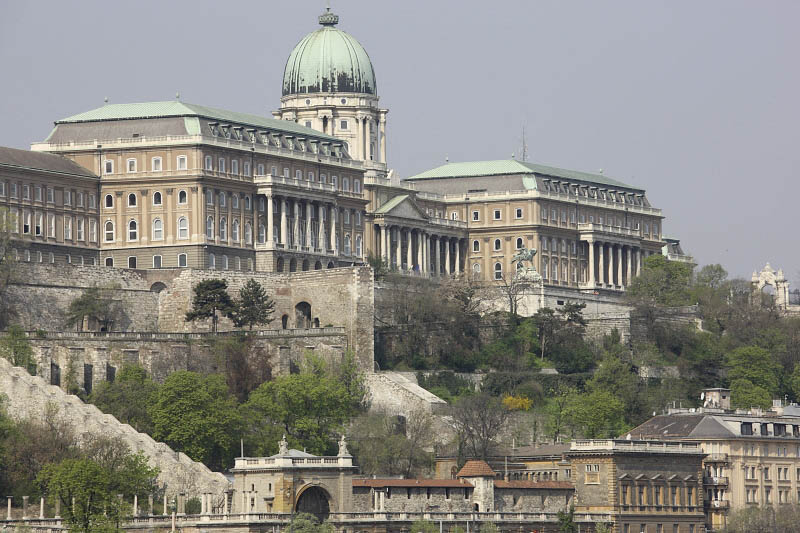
[{"x": 29, "y": 396}]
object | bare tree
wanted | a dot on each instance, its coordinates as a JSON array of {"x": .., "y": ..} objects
[
  {"x": 478, "y": 420},
  {"x": 511, "y": 288}
]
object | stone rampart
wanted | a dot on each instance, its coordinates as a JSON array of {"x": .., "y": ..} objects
[
  {"x": 392, "y": 392},
  {"x": 29, "y": 397}
]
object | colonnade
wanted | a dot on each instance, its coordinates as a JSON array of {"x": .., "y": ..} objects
[
  {"x": 310, "y": 225},
  {"x": 614, "y": 264},
  {"x": 416, "y": 250}
]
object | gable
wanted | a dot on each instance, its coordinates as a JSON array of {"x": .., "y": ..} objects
[{"x": 403, "y": 207}]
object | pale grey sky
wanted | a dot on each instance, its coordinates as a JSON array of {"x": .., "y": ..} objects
[{"x": 694, "y": 101}]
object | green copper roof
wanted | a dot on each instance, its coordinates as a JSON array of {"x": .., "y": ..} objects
[
  {"x": 175, "y": 108},
  {"x": 391, "y": 204},
  {"x": 511, "y": 166},
  {"x": 328, "y": 61}
]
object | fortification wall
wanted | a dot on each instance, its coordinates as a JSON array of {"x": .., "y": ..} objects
[
  {"x": 392, "y": 392},
  {"x": 30, "y": 397}
]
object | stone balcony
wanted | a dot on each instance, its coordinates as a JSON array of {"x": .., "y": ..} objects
[{"x": 717, "y": 481}]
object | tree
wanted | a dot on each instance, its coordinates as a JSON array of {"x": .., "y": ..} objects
[
  {"x": 246, "y": 363},
  {"x": 308, "y": 523},
  {"x": 597, "y": 414},
  {"x": 95, "y": 304},
  {"x": 661, "y": 283},
  {"x": 197, "y": 415},
  {"x": 253, "y": 306},
  {"x": 556, "y": 409},
  {"x": 16, "y": 348},
  {"x": 745, "y": 394},
  {"x": 424, "y": 526},
  {"x": 755, "y": 365},
  {"x": 511, "y": 289},
  {"x": 478, "y": 420},
  {"x": 393, "y": 446},
  {"x": 210, "y": 296},
  {"x": 128, "y": 397},
  {"x": 311, "y": 408},
  {"x": 566, "y": 521},
  {"x": 379, "y": 266}
]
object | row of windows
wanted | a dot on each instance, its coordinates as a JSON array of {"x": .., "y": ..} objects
[
  {"x": 222, "y": 200},
  {"x": 751, "y": 472},
  {"x": 71, "y": 197},
  {"x": 133, "y": 199},
  {"x": 157, "y": 230},
  {"x": 609, "y": 220},
  {"x": 642, "y": 528},
  {"x": 496, "y": 215},
  {"x": 156, "y": 164},
  {"x": 33, "y": 223},
  {"x": 223, "y": 230},
  {"x": 587, "y": 191},
  {"x": 273, "y": 139},
  {"x": 657, "y": 495},
  {"x": 51, "y": 258},
  {"x": 784, "y": 495}
]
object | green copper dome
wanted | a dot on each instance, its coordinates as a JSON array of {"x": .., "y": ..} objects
[{"x": 328, "y": 61}]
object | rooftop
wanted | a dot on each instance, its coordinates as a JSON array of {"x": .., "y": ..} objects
[
  {"x": 26, "y": 159},
  {"x": 475, "y": 468},
  {"x": 634, "y": 446},
  {"x": 408, "y": 483},
  {"x": 512, "y": 167}
]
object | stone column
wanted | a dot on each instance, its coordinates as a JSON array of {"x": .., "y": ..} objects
[
  {"x": 321, "y": 238},
  {"x": 270, "y": 222},
  {"x": 182, "y": 503},
  {"x": 424, "y": 266},
  {"x": 458, "y": 256},
  {"x": 384, "y": 254},
  {"x": 203, "y": 503},
  {"x": 447, "y": 263},
  {"x": 41, "y": 508},
  {"x": 383, "y": 138},
  {"x": 638, "y": 261},
  {"x": 591, "y": 263},
  {"x": 149, "y": 504},
  {"x": 296, "y": 225},
  {"x": 284, "y": 222},
  {"x": 166, "y": 512},
  {"x": 409, "y": 260},
  {"x": 334, "y": 217},
  {"x": 58, "y": 508},
  {"x": 135, "y": 505},
  {"x": 8, "y": 515},
  {"x": 24, "y": 507},
  {"x": 438, "y": 258},
  {"x": 629, "y": 265},
  {"x": 601, "y": 267},
  {"x": 610, "y": 271},
  {"x": 368, "y": 139},
  {"x": 399, "y": 251},
  {"x": 618, "y": 255},
  {"x": 309, "y": 208}
]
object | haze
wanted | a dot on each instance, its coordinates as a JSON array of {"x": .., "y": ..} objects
[{"x": 693, "y": 101}]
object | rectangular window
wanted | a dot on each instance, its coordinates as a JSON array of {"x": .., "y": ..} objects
[
  {"x": 13, "y": 190},
  {"x": 38, "y": 227},
  {"x": 156, "y": 261},
  {"x": 286, "y": 172},
  {"x": 131, "y": 165},
  {"x": 260, "y": 169},
  {"x": 246, "y": 168},
  {"x": 156, "y": 164},
  {"x": 92, "y": 230},
  {"x": 51, "y": 226},
  {"x": 209, "y": 163},
  {"x": 497, "y": 214},
  {"x": 476, "y": 216},
  {"x": 26, "y": 222},
  {"x": 181, "y": 162},
  {"x": 221, "y": 164},
  {"x": 37, "y": 193},
  {"x": 343, "y": 125},
  {"x": 235, "y": 166},
  {"x": 92, "y": 201},
  {"x": 518, "y": 212},
  {"x": 108, "y": 166},
  {"x": 67, "y": 198},
  {"x": 26, "y": 192},
  {"x": 572, "y": 217},
  {"x": 67, "y": 228},
  {"x": 80, "y": 222},
  {"x": 274, "y": 171},
  {"x": 2, "y": 188},
  {"x": 79, "y": 197},
  {"x": 563, "y": 216}
]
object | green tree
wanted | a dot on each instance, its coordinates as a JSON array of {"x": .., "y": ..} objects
[
  {"x": 246, "y": 363},
  {"x": 566, "y": 521},
  {"x": 16, "y": 348},
  {"x": 745, "y": 394},
  {"x": 128, "y": 397},
  {"x": 597, "y": 414},
  {"x": 96, "y": 304},
  {"x": 489, "y": 527},
  {"x": 308, "y": 523},
  {"x": 210, "y": 296},
  {"x": 661, "y": 283},
  {"x": 556, "y": 410},
  {"x": 310, "y": 407},
  {"x": 379, "y": 266},
  {"x": 424, "y": 526},
  {"x": 756, "y": 365},
  {"x": 253, "y": 306},
  {"x": 197, "y": 415},
  {"x": 794, "y": 382}
]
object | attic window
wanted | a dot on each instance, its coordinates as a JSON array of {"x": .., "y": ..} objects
[
  {"x": 475, "y": 190},
  {"x": 214, "y": 129},
  {"x": 747, "y": 428},
  {"x": 135, "y": 135},
  {"x": 226, "y": 130}
]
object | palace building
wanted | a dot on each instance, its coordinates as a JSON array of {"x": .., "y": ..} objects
[{"x": 173, "y": 185}]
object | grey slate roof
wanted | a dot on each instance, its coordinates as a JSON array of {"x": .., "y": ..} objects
[
  {"x": 681, "y": 426},
  {"x": 28, "y": 159}
]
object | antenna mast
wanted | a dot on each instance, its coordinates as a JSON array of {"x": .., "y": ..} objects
[{"x": 524, "y": 145}]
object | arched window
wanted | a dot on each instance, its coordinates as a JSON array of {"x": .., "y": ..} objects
[
  {"x": 544, "y": 267},
  {"x": 498, "y": 271},
  {"x": 223, "y": 229},
  {"x": 109, "y": 201},
  {"x": 476, "y": 246},
  {"x": 224, "y": 262},
  {"x": 109, "y": 231},
  {"x": 247, "y": 203},
  {"x": 156, "y": 198},
  {"x": 555, "y": 269},
  {"x": 51, "y": 258},
  {"x": 158, "y": 229},
  {"x": 497, "y": 244},
  {"x": 347, "y": 244},
  {"x": 181, "y": 260},
  {"x": 109, "y": 261},
  {"x": 356, "y": 186},
  {"x": 323, "y": 178},
  {"x": 235, "y": 230},
  {"x": 262, "y": 204},
  {"x": 262, "y": 233},
  {"x": 358, "y": 245},
  {"x": 132, "y": 233},
  {"x": 209, "y": 197},
  {"x": 183, "y": 228},
  {"x": 310, "y": 176},
  {"x": 248, "y": 233},
  {"x": 132, "y": 261},
  {"x": 210, "y": 227},
  {"x": 476, "y": 271},
  {"x": 345, "y": 183},
  {"x": 212, "y": 261},
  {"x": 182, "y": 197},
  {"x": 235, "y": 200},
  {"x": 519, "y": 243},
  {"x": 222, "y": 199},
  {"x": 131, "y": 200},
  {"x": 237, "y": 262},
  {"x": 209, "y": 163}
]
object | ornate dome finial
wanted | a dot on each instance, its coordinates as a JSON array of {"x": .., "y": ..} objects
[{"x": 328, "y": 18}]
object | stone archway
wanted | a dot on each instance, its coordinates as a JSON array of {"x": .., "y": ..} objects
[
  {"x": 314, "y": 500},
  {"x": 772, "y": 284},
  {"x": 157, "y": 287},
  {"x": 302, "y": 315}
]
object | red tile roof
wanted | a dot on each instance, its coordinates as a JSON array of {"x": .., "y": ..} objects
[
  {"x": 408, "y": 483},
  {"x": 521, "y": 484},
  {"x": 476, "y": 469}
]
